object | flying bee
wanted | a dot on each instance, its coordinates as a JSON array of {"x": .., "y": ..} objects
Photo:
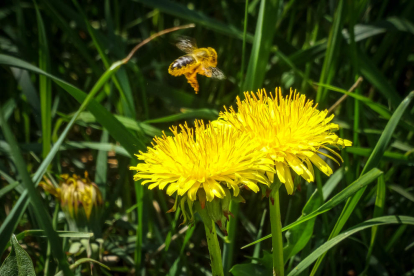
[{"x": 201, "y": 61}]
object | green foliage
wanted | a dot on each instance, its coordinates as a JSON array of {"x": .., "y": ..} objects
[
  {"x": 67, "y": 105},
  {"x": 18, "y": 262}
]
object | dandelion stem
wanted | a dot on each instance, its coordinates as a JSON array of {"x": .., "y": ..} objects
[
  {"x": 212, "y": 241},
  {"x": 277, "y": 242},
  {"x": 214, "y": 249}
]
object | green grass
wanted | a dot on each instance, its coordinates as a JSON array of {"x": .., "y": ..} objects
[{"x": 67, "y": 105}]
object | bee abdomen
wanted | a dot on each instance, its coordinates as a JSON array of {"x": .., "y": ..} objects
[{"x": 180, "y": 63}]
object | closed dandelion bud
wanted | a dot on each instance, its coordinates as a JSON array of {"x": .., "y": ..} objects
[{"x": 80, "y": 198}]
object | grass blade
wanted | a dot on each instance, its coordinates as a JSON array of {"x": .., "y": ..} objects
[
  {"x": 40, "y": 211},
  {"x": 183, "y": 12},
  {"x": 265, "y": 31},
  {"x": 45, "y": 85},
  {"x": 107, "y": 119},
  {"x": 203, "y": 113},
  {"x": 114, "y": 127},
  {"x": 377, "y": 79},
  {"x": 359, "y": 184},
  {"x": 378, "y": 211},
  {"x": 102, "y": 166},
  {"x": 297, "y": 237},
  {"x": 380, "y": 109},
  {"x": 331, "y": 50},
  {"x": 405, "y": 220},
  {"x": 127, "y": 99},
  {"x": 372, "y": 162},
  {"x": 244, "y": 47}
]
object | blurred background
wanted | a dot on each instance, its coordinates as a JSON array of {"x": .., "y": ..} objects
[{"x": 260, "y": 44}]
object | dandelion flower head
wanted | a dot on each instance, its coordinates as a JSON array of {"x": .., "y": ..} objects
[
  {"x": 290, "y": 130},
  {"x": 203, "y": 158}
]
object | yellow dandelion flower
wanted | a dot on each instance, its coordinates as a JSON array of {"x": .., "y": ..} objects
[
  {"x": 74, "y": 192},
  {"x": 202, "y": 159},
  {"x": 290, "y": 130}
]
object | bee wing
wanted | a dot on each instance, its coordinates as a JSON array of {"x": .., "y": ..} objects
[
  {"x": 186, "y": 44},
  {"x": 214, "y": 72}
]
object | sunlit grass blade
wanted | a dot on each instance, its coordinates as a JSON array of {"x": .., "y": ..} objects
[
  {"x": 332, "y": 183},
  {"x": 298, "y": 236},
  {"x": 388, "y": 155},
  {"x": 372, "y": 162},
  {"x": 331, "y": 50},
  {"x": 257, "y": 247},
  {"x": 203, "y": 113},
  {"x": 140, "y": 127},
  {"x": 262, "y": 42},
  {"x": 361, "y": 183},
  {"x": 8, "y": 188},
  {"x": 45, "y": 85},
  {"x": 331, "y": 243},
  {"x": 107, "y": 147}
]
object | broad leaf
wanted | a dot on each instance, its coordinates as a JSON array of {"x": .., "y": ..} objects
[{"x": 18, "y": 262}]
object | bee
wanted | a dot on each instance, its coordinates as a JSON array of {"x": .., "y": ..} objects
[{"x": 201, "y": 61}]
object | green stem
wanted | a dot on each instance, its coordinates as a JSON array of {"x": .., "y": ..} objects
[
  {"x": 214, "y": 249},
  {"x": 229, "y": 242},
  {"x": 138, "y": 241},
  {"x": 277, "y": 241},
  {"x": 212, "y": 241}
]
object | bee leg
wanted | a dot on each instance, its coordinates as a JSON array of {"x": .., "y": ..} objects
[
  {"x": 205, "y": 72},
  {"x": 192, "y": 80}
]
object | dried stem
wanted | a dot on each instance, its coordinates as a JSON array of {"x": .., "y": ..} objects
[
  {"x": 341, "y": 99},
  {"x": 125, "y": 60}
]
